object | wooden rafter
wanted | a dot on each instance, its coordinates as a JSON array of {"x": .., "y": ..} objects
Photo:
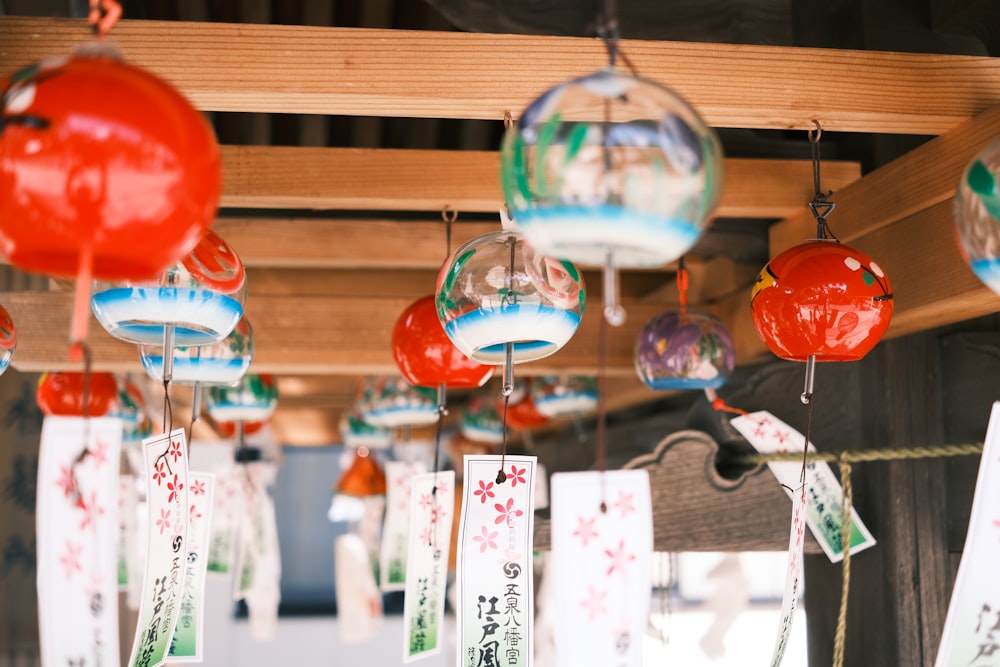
[
  {"x": 430, "y": 180},
  {"x": 367, "y": 72}
]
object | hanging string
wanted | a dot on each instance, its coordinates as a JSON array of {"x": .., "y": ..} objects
[
  {"x": 103, "y": 16},
  {"x": 449, "y": 216},
  {"x": 820, "y": 206},
  {"x": 847, "y": 500},
  {"x": 602, "y": 408},
  {"x": 84, "y": 350},
  {"x": 508, "y": 367}
]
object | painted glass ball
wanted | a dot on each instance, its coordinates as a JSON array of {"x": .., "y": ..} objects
[
  {"x": 102, "y": 163},
  {"x": 63, "y": 394},
  {"x": 821, "y": 298},
  {"x": 426, "y": 356},
  {"x": 497, "y": 289},
  {"x": 222, "y": 363},
  {"x": 252, "y": 399},
  {"x": 356, "y": 432},
  {"x": 977, "y": 215},
  {"x": 389, "y": 402},
  {"x": 561, "y": 395},
  {"x": 684, "y": 350},
  {"x": 611, "y": 166},
  {"x": 201, "y": 297}
]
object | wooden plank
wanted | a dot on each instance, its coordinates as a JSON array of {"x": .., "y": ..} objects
[
  {"x": 349, "y": 243},
  {"x": 305, "y": 336},
  {"x": 430, "y": 180},
  {"x": 370, "y": 72},
  {"x": 925, "y": 176},
  {"x": 694, "y": 509}
]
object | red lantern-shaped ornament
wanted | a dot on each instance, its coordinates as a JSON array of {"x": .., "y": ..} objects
[
  {"x": 106, "y": 172},
  {"x": 62, "y": 394},
  {"x": 425, "y": 355},
  {"x": 821, "y": 299}
]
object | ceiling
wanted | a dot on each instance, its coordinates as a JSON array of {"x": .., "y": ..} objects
[{"x": 349, "y": 127}]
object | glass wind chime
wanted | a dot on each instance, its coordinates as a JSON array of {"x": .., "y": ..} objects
[
  {"x": 977, "y": 215},
  {"x": 821, "y": 300},
  {"x": 611, "y": 170}
]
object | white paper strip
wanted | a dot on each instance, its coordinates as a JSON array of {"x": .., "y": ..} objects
[
  {"x": 166, "y": 468},
  {"x": 359, "y": 602},
  {"x": 432, "y": 501},
  {"x": 495, "y": 588},
  {"x": 188, "y": 644},
  {"x": 971, "y": 636},
  {"x": 396, "y": 528},
  {"x": 824, "y": 496},
  {"x": 767, "y": 433},
  {"x": 601, "y": 566},
  {"x": 77, "y": 530}
]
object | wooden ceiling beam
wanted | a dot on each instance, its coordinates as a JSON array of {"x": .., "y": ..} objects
[
  {"x": 924, "y": 177},
  {"x": 430, "y": 180},
  {"x": 373, "y": 72},
  {"x": 303, "y": 336}
]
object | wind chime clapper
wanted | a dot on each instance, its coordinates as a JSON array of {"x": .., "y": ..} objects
[
  {"x": 92, "y": 113},
  {"x": 821, "y": 300}
]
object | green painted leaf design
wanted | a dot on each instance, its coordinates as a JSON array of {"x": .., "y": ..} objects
[
  {"x": 546, "y": 135},
  {"x": 575, "y": 141},
  {"x": 520, "y": 174}
]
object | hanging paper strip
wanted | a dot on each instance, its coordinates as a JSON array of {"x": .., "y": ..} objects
[
  {"x": 601, "y": 566},
  {"x": 495, "y": 588},
  {"x": 396, "y": 528},
  {"x": 769, "y": 434},
  {"x": 432, "y": 500},
  {"x": 971, "y": 636},
  {"x": 77, "y": 529},
  {"x": 359, "y": 602},
  {"x": 188, "y": 644},
  {"x": 258, "y": 564},
  {"x": 824, "y": 496},
  {"x": 166, "y": 473},
  {"x": 128, "y": 529},
  {"x": 226, "y": 511}
]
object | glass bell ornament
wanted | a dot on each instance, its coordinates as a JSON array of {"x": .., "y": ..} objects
[
  {"x": 977, "y": 215},
  {"x": 63, "y": 394},
  {"x": 252, "y": 399},
  {"x": 481, "y": 422},
  {"x": 222, "y": 363},
  {"x": 8, "y": 339},
  {"x": 425, "y": 355},
  {"x": 497, "y": 290},
  {"x": 356, "y": 432},
  {"x": 198, "y": 301},
  {"x": 611, "y": 170},
  {"x": 684, "y": 349},
  {"x": 231, "y": 429},
  {"x": 561, "y": 395},
  {"x": 363, "y": 479},
  {"x": 390, "y": 402},
  {"x": 106, "y": 172},
  {"x": 821, "y": 299}
]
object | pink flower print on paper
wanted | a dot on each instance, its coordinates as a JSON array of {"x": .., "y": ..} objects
[
  {"x": 425, "y": 536},
  {"x": 66, "y": 481},
  {"x": 425, "y": 500},
  {"x": 438, "y": 513},
  {"x": 624, "y": 503},
  {"x": 164, "y": 521},
  {"x": 175, "y": 487},
  {"x": 442, "y": 487},
  {"x": 593, "y": 604},
  {"x": 585, "y": 530},
  {"x": 485, "y": 538},
  {"x": 91, "y": 511},
  {"x": 159, "y": 475},
  {"x": 175, "y": 450},
  {"x": 484, "y": 491},
  {"x": 619, "y": 557},
  {"x": 193, "y": 514},
  {"x": 198, "y": 487},
  {"x": 507, "y": 512},
  {"x": 509, "y": 556},
  {"x": 99, "y": 453},
  {"x": 70, "y": 559},
  {"x": 516, "y": 476}
]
